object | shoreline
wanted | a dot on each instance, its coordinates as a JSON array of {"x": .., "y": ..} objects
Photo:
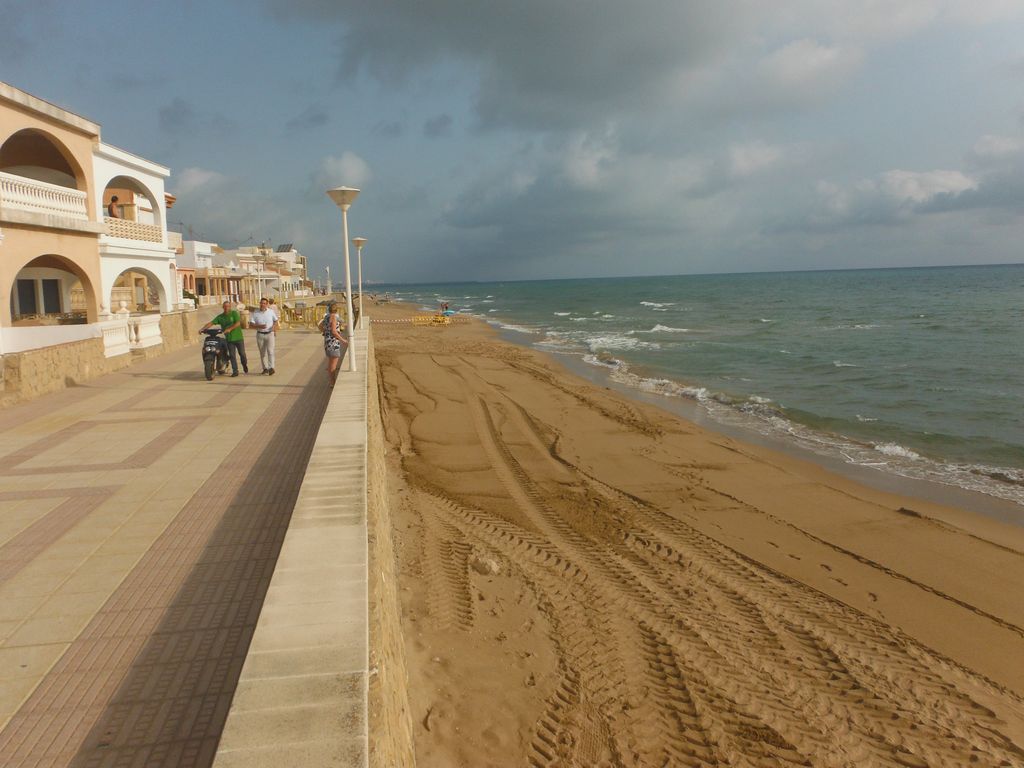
[
  {"x": 575, "y": 565},
  {"x": 933, "y": 491}
]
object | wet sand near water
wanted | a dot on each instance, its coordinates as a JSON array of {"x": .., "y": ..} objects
[{"x": 589, "y": 580}]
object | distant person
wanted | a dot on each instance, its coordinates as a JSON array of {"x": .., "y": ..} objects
[
  {"x": 265, "y": 321},
  {"x": 231, "y": 323},
  {"x": 333, "y": 341},
  {"x": 112, "y": 210}
]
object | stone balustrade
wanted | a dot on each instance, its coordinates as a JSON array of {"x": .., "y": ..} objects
[
  {"x": 143, "y": 331},
  {"x": 115, "y": 337},
  {"x": 133, "y": 230},
  {"x": 24, "y": 194}
]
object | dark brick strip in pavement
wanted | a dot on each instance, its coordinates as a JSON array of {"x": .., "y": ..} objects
[
  {"x": 142, "y": 458},
  {"x": 149, "y": 681},
  {"x": 140, "y": 397},
  {"x": 20, "y": 550}
]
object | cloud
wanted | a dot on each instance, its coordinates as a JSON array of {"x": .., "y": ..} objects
[
  {"x": 918, "y": 187},
  {"x": 179, "y": 118},
  {"x": 388, "y": 129},
  {"x": 176, "y": 117},
  {"x": 190, "y": 180},
  {"x": 313, "y": 116},
  {"x": 438, "y": 126},
  {"x": 754, "y": 157},
  {"x": 805, "y": 69},
  {"x": 24, "y": 25},
  {"x": 348, "y": 170},
  {"x": 540, "y": 64},
  {"x": 991, "y": 147}
]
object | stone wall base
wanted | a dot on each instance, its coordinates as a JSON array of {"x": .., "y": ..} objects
[
  {"x": 390, "y": 718},
  {"x": 27, "y": 375}
]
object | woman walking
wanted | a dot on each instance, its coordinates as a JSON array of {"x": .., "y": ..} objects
[{"x": 332, "y": 342}]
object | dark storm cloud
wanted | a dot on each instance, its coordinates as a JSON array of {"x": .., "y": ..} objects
[
  {"x": 176, "y": 117},
  {"x": 388, "y": 129},
  {"x": 313, "y": 116},
  {"x": 179, "y": 118},
  {"x": 438, "y": 126},
  {"x": 542, "y": 64}
]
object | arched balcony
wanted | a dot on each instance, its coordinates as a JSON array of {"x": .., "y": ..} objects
[
  {"x": 131, "y": 211},
  {"x": 39, "y": 175},
  {"x": 52, "y": 290}
]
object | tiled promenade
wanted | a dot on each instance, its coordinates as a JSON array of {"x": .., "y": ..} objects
[{"x": 140, "y": 519}]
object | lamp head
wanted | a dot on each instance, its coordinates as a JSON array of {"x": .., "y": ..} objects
[
  {"x": 343, "y": 197},
  {"x": 358, "y": 242}
]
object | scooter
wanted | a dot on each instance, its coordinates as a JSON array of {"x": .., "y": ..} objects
[{"x": 215, "y": 352}]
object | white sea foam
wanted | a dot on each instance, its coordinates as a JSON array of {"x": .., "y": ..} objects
[
  {"x": 486, "y": 301},
  {"x": 517, "y": 328},
  {"x": 658, "y": 304},
  {"x": 893, "y": 449},
  {"x": 766, "y": 320},
  {"x": 853, "y": 327},
  {"x": 864, "y": 419},
  {"x": 494, "y": 310},
  {"x": 664, "y": 329},
  {"x": 841, "y": 364},
  {"x": 562, "y": 314},
  {"x": 617, "y": 341}
]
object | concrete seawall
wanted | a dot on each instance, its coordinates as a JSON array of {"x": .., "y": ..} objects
[{"x": 324, "y": 682}]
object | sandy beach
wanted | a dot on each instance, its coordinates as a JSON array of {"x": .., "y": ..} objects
[{"x": 587, "y": 580}]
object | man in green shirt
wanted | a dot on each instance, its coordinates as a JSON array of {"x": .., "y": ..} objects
[{"x": 231, "y": 323}]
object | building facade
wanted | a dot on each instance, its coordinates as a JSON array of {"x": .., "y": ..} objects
[{"x": 74, "y": 263}]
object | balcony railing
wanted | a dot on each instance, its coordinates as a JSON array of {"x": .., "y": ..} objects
[
  {"x": 133, "y": 230},
  {"x": 24, "y": 194}
]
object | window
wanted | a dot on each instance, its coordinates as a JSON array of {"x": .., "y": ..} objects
[
  {"x": 27, "y": 297},
  {"x": 51, "y": 297}
]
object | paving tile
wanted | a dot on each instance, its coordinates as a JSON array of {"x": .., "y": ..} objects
[{"x": 158, "y": 588}]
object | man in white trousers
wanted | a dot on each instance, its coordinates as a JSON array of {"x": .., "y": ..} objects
[{"x": 265, "y": 321}]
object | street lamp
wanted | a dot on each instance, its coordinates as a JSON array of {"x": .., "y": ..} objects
[
  {"x": 330, "y": 290},
  {"x": 359, "y": 242},
  {"x": 343, "y": 197}
]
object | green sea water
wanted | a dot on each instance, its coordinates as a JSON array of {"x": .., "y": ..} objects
[{"x": 918, "y": 372}]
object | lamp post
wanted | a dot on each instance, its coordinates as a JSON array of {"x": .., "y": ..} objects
[
  {"x": 359, "y": 242},
  {"x": 330, "y": 290},
  {"x": 343, "y": 197}
]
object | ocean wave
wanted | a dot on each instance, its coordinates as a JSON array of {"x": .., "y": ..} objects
[
  {"x": 664, "y": 329},
  {"x": 766, "y": 320},
  {"x": 617, "y": 341},
  {"x": 894, "y": 449},
  {"x": 864, "y": 419},
  {"x": 516, "y": 328},
  {"x": 853, "y": 327},
  {"x": 658, "y": 304},
  {"x": 841, "y": 364},
  {"x": 562, "y": 314}
]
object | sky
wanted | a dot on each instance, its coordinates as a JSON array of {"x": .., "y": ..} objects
[{"x": 560, "y": 138}]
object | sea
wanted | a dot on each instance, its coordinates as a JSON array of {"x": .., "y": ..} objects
[{"x": 918, "y": 373}]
